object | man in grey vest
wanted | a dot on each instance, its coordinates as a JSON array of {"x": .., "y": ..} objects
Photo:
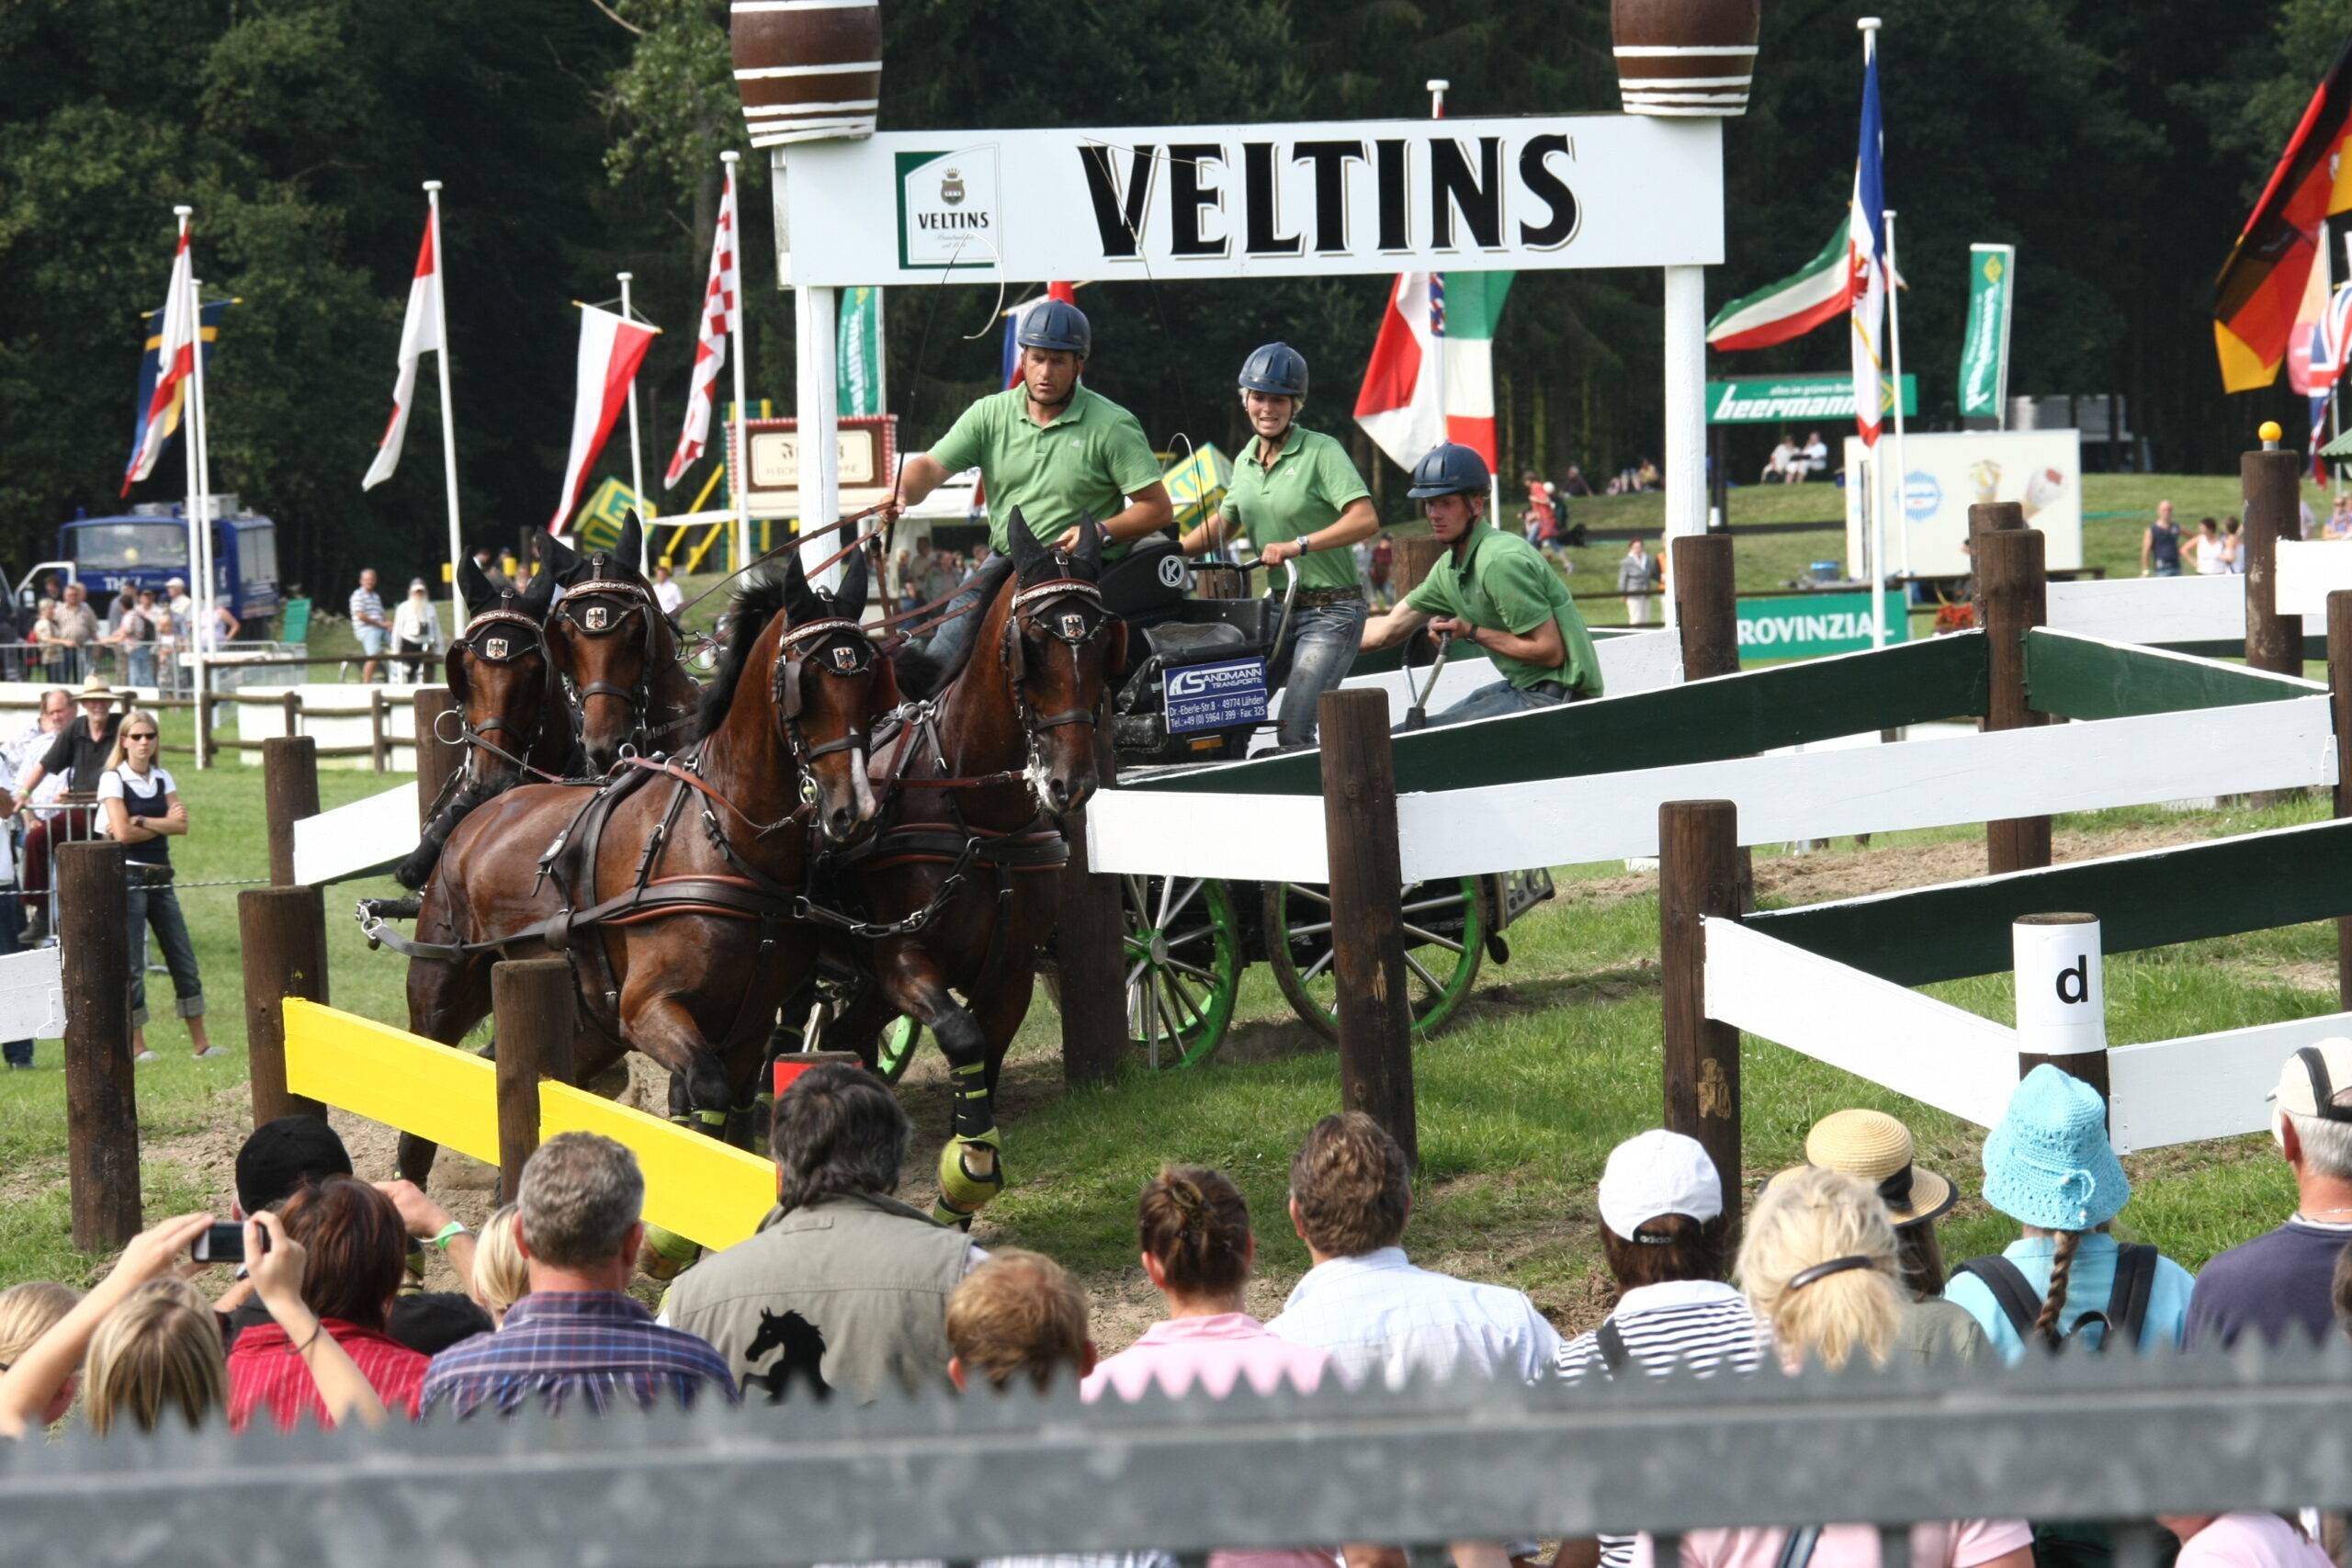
[{"x": 844, "y": 1288}]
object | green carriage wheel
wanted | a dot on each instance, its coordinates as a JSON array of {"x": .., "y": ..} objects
[
  {"x": 1446, "y": 925},
  {"x": 1180, "y": 946},
  {"x": 895, "y": 1047}
]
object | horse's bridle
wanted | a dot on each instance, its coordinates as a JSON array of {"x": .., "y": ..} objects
[
  {"x": 599, "y": 620},
  {"x": 847, "y": 652},
  {"x": 502, "y": 636},
  {"x": 1073, "y": 629}
]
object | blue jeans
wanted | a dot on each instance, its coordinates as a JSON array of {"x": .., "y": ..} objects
[
  {"x": 143, "y": 664},
  {"x": 1314, "y": 658},
  {"x": 951, "y": 644},
  {"x": 159, "y": 907},
  {"x": 1491, "y": 701},
  {"x": 12, "y": 925}
]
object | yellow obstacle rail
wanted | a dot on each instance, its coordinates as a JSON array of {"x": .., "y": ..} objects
[{"x": 695, "y": 1185}]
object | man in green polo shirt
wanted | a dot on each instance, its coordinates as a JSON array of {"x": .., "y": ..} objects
[
  {"x": 1050, "y": 448},
  {"x": 1299, "y": 498},
  {"x": 1492, "y": 588}
]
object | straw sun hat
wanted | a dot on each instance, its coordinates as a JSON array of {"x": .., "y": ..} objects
[{"x": 1876, "y": 1148}]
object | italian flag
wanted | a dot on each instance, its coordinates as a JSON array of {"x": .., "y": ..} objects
[
  {"x": 1432, "y": 379},
  {"x": 1818, "y": 293}
]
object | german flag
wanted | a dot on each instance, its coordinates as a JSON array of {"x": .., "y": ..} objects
[{"x": 2255, "y": 298}]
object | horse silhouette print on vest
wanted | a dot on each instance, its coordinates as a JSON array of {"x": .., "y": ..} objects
[{"x": 803, "y": 1344}]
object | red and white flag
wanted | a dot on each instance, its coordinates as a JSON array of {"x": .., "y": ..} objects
[
  {"x": 420, "y": 332},
  {"x": 611, "y": 348},
  {"x": 720, "y": 307},
  {"x": 1431, "y": 378},
  {"x": 176, "y": 363}
]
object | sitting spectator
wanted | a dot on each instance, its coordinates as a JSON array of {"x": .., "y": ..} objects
[
  {"x": 2280, "y": 1285},
  {"x": 1645, "y": 476},
  {"x": 1350, "y": 1193},
  {"x": 1575, "y": 483},
  {"x": 1875, "y": 1147},
  {"x": 2243, "y": 1541},
  {"x": 27, "y": 1311},
  {"x": 845, "y": 1288},
  {"x": 500, "y": 1276},
  {"x": 1776, "y": 466},
  {"x": 578, "y": 1332},
  {"x": 1816, "y": 457},
  {"x": 1197, "y": 1253},
  {"x": 1819, "y": 1266},
  {"x": 354, "y": 1250},
  {"x": 1018, "y": 1314},
  {"x": 2049, "y": 1167}
]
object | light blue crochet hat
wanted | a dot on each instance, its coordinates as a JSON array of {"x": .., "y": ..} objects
[{"x": 2049, "y": 1163}]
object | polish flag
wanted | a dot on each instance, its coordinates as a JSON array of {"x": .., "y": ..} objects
[
  {"x": 611, "y": 348},
  {"x": 720, "y": 312},
  {"x": 420, "y": 332},
  {"x": 175, "y": 362}
]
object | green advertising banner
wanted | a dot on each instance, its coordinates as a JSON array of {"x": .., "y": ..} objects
[
  {"x": 1808, "y": 625},
  {"x": 1787, "y": 400},
  {"x": 860, "y": 362},
  {"x": 1985, "y": 350}
]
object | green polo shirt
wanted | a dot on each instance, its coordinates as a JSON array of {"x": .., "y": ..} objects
[
  {"x": 1311, "y": 484},
  {"x": 1506, "y": 584},
  {"x": 1085, "y": 463}
]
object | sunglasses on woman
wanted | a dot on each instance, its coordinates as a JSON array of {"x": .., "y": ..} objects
[{"x": 142, "y": 734}]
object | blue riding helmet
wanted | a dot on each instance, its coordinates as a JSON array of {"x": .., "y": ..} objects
[
  {"x": 1277, "y": 369},
  {"x": 1450, "y": 470},
  {"x": 1055, "y": 324}
]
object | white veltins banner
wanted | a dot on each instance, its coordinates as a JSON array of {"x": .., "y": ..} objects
[
  {"x": 2039, "y": 469},
  {"x": 1550, "y": 192},
  {"x": 2062, "y": 992}
]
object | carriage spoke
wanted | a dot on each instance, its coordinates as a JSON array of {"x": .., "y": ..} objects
[
  {"x": 1137, "y": 973},
  {"x": 1167, "y": 892},
  {"x": 1320, "y": 964},
  {"x": 1449, "y": 901},
  {"x": 1194, "y": 970},
  {"x": 1159, "y": 1006},
  {"x": 1432, "y": 939},
  {"x": 1302, "y": 890},
  {"x": 1428, "y": 979},
  {"x": 1195, "y": 934},
  {"x": 1138, "y": 901},
  {"x": 1321, "y": 929},
  {"x": 1189, "y": 1012}
]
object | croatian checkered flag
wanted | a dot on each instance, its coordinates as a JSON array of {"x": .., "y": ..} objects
[{"x": 719, "y": 305}]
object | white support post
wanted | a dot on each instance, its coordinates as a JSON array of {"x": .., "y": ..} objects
[
  {"x": 815, "y": 313},
  {"x": 1685, "y": 474},
  {"x": 448, "y": 411},
  {"x": 194, "y": 513},
  {"x": 1894, "y": 343},
  {"x": 737, "y": 440},
  {"x": 2061, "y": 992},
  {"x": 636, "y": 446},
  {"x": 207, "y": 629}
]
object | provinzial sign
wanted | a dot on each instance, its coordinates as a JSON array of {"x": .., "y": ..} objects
[
  {"x": 1216, "y": 696},
  {"x": 1813, "y": 625},
  {"x": 1241, "y": 200},
  {"x": 1984, "y": 347},
  {"x": 1782, "y": 400}
]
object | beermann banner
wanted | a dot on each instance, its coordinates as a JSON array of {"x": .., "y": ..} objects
[
  {"x": 1548, "y": 192},
  {"x": 1985, "y": 350},
  {"x": 1789, "y": 400}
]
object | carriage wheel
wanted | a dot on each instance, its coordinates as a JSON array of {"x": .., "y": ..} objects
[
  {"x": 1445, "y": 937},
  {"x": 895, "y": 1047},
  {"x": 1183, "y": 950}
]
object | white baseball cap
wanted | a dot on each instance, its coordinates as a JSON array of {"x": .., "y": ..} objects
[
  {"x": 1658, "y": 1173},
  {"x": 2317, "y": 1080}
]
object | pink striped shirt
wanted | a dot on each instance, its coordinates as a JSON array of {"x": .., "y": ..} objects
[{"x": 1215, "y": 1352}]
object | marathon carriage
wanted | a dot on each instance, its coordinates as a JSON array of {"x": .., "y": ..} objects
[{"x": 1195, "y": 690}]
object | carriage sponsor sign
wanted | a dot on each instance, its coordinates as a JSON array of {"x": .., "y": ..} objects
[
  {"x": 1216, "y": 696},
  {"x": 1814, "y": 624},
  {"x": 1241, "y": 200}
]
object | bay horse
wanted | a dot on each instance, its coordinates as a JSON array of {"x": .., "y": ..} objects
[
  {"x": 616, "y": 653},
  {"x": 675, "y": 887},
  {"x": 1015, "y": 729},
  {"x": 511, "y": 711}
]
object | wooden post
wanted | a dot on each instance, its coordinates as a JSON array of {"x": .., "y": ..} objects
[
  {"x": 1988, "y": 517},
  {"x": 1089, "y": 950},
  {"x": 2015, "y": 594},
  {"x": 437, "y": 759},
  {"x": 289, "y": 786},
  {"x": 282, "y": 932},
  {"x": 1413, "y": 559},
  {"x": 2272, "y": 481},
  {"x": 530, "y": 1002},
  {"x": 293, "y": 713},
  {"x": 1367, "y": 911},
  {"x": 1706, "y": 608},
  {"x": 1698, "y": 877},
  {"x": 101, "y": 1084},
  {"x": 2339, "y": 688},
  {"x": 2061, "y": 996},
  {"x": 378, "y": 732}
]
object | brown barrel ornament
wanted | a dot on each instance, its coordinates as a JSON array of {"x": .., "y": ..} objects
[
  {"x": 807, "y": 69},
  {"x": 1685, "y": 58}
]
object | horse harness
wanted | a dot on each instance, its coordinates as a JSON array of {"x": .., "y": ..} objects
[{"x": 583, "y": 610}]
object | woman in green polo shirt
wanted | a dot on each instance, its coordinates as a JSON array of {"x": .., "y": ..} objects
[{"x": 1299, "y": 498}]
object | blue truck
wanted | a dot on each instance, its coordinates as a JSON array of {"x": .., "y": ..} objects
[{"x": 149, "y": 547}]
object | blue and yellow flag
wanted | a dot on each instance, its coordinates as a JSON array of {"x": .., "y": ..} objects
[{"x": 150, "y": 332}]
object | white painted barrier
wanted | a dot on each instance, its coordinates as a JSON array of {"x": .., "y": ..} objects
[
  {"x": 2205, "y": 1086},
  {"x": 358, "y": 839},
  {"x": 2309, "y": 571},
  {"x": 32, "y": 995},
  {"x": 1639, "y": 661},
  {"x": 264, "y": 721}
]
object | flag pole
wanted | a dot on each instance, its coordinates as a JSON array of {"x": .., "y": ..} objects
[
  {"x": 449, "y": 413},
  {"x": 187, "y": 454},
  {"x": 636, "y": 451},
  {"x": 207, "y": 617},
  {"x": 1868, "y": 27},
  {"x": 738, "y": 470},
  {"x": 1894, "y": 346}
]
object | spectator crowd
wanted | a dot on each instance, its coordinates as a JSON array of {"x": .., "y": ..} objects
[{"x": 845, "y": 1292}]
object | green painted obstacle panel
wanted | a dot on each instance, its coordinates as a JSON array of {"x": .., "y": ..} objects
[
  {"x": 2251, "y": 883},
  {"x": 2084, "y": 678}
]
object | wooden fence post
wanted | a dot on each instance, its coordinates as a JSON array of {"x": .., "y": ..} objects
[
  {"x": 2061, "y": 996},
  {"x": 2015, "y": 594},
  {"x": 101, "y": 1080},
  {"x": 1367, "y": 911},
  {"x": 1698, "y": 877},
  {"x": 293, "y": 705},
  {"x": 380, "y": 742},
  {"x": 282, "y": 932},
  {"x": 1413, "y": 559},
  {"x": 1089, "y": 950},
  {"x": 437, "y": 759},
  {"x": 289, "y": 784},
  {"x": 1988, "y": 517},
  {"x": 2339, "y": 688},
  {"x": 2272, "y": 481},
  {"x": 1706, "y": 605},
  {"x": 530, "y": 1002}
]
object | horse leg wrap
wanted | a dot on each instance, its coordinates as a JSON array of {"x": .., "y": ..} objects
[
  {"x": 666, "y": 1254},
  {"x": 713, "y": 1122},
  {"x": 964, "y": 1191}
]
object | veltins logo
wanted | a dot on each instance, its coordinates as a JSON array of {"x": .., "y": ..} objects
[{"x": 948, "y": 219}]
